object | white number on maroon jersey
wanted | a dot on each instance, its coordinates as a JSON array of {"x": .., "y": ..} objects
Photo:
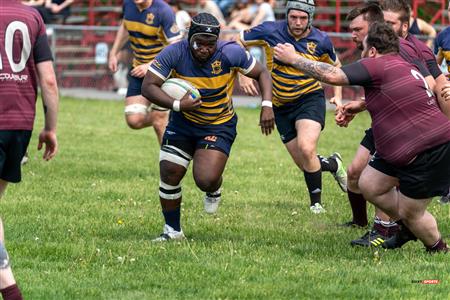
[
  {"x": 417, "y": 75},
  {"x": 9, "y": 44}
]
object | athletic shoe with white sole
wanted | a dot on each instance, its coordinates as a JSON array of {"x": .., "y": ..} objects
[
  {"x": 169, "y": 234},
  {"x": 341, "y": 174},
  {"x": 317, "y": 209},
  {"x": 212, "y": 201}
]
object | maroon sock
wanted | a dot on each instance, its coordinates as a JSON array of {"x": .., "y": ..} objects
[
  {"x": 440, "y": 245},
  {"x": 383, "y": 230},
  {"x": 11, "y": 292},
  {"x": 359, "y": 210}
]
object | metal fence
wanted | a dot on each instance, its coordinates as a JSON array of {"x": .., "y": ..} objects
[{"x": 81, "y": 59}]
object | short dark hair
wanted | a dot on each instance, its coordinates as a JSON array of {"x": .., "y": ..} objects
[
  {"x": 401, "y": 7},
  {"x": 382, "y": 37},
  {"x": 370, "y": 11}
]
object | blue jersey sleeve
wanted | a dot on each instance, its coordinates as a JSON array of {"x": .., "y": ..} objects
[
  {"x": 437, "y": 43},
  {"x": 256, "y": 35},
  {"x": 169, "y": 24},
  {"x": 329, "y": 54},
  {"x": 165, "y": 61},
  {"x": 239, "y": 58}
]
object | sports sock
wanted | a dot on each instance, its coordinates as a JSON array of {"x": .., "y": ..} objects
[
  {"x": 440, "y": 245},
  {"x": 11, "y": 292},
  {"x": 314, "y": 184},
  {"x": 359, "y": 208},
  {"x": 328, "y": 164},
  {"x": 383, "y": 227},
  {"x": 215, "y": 194},
  {"x": 172, "y": 218}
]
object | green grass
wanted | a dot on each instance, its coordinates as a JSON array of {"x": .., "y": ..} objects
[{"x": 79, "y": 227}]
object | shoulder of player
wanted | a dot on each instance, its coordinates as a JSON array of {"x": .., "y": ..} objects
[
  {"x": 230, "y": 50},
  {"x": 229, "y": 47},
  {"x": 28, "y": 13},
  {"x": 161, "y": 4},
  {"x": 443, "y": 35},
  {"x": 180, "y": 46}
]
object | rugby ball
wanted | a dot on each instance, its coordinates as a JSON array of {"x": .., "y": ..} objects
[{"x": 177, "y": 88}]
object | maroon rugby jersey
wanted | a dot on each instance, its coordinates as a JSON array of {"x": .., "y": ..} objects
[
  {"x": 411, "y": 54},
  {"x": 427, "y": 54},
  {"x": 406, "y": 119},
  {"x": 23, "y": 43}
]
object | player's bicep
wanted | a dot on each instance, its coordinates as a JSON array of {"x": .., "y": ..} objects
[{"x": 357, "y": 74}]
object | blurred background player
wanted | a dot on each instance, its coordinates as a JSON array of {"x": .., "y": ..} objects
[
  {"x": 201, "y": 130},
  {"x": 181, "y": 16},
  {"x": 417, "y": 26},
  {"x": 149, "y": 25},
  {"x": 299, "y": 100},
  {"x": 22, "y": 36},
  {"x": 442, "y": 46}
]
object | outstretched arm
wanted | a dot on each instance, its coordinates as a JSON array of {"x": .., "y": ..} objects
[{"x": 321, "y": 71}]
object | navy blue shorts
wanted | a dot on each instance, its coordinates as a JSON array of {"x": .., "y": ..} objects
[
  {"x": 13, "y": 145},
  {"x": 189, "y": 136},
  {"x": 134, "y": 85},
  {"x": 310, "y": 106},
  {"x": 427, "y": 176}
]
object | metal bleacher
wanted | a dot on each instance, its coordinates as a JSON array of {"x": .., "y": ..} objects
[{"x": 93, "y": 22}]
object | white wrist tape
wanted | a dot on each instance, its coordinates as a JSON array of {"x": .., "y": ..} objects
[
  {"x": 176, "y": 105},
  {"x": 267, "y": 103}
]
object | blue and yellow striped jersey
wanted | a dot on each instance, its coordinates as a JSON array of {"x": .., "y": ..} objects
[
  {"x": 150, "y": 30},
  {"x": 442, "y": 45},
  {"x": 289, "y": 84},
  {"x": 214, "y": 78}
]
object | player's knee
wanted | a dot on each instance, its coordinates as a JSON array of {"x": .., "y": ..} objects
[
  {"x": 135, "y": 115},
  {"x": 173, "y": 163},
  {"x": 206, "y": 184},
  {"x": 135, "y": 121},
  {"x": 307, "y": 152},
  {"x": 353, "y": 173}
]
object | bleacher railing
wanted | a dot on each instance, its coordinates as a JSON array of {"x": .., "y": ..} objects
[{"x": 81, "y": 57}]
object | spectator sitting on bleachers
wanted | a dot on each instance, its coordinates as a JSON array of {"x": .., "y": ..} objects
[
  {"x": 33, "y": 3},
  {"x": 209, "y": 6},
  {"x": 182, "y": 18},
  {"x": 225, "y": 6},
  {"x": 252, "y": 15},
  {"x": 418, "y": 26},
  {"x": 54, "y": 11},
  {"x": 241, "y": 15}
]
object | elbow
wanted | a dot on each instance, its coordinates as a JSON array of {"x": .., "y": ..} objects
[{"x": 49, "y": 83}]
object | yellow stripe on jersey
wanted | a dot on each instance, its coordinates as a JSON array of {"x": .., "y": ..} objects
[
  {"x": 142, "y": 28},
  {"x": 219, "y": 115},
  {"x": 209, "y": 82},
  {"x": 292, "y": 82},
  {"x": 145, "y": 42}
]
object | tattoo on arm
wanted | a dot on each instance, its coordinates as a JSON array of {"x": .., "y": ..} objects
[
  {"x": 321, "y": 71},
  {"x": 45, "y": 109}
]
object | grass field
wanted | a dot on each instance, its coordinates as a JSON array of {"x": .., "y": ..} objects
[{"x": 79, "y": 227}]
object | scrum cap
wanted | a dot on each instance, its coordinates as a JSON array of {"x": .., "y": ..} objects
[
  {"x": 204, "y": 23},
  {"x": 308, "y": 6}
]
